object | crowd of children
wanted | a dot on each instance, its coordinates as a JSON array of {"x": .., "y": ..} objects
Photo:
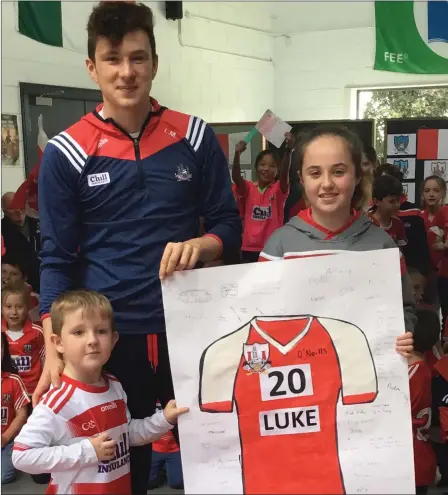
[{"x": 349, "y": 203}]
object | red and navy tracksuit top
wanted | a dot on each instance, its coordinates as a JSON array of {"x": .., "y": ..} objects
[{"x": 109, "y": 203}]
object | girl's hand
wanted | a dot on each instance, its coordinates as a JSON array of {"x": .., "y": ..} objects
[
  {"x": 240, "y": 147},
  {"x": 172, "y": 412},
  {"x": 290, "y": 140},
  {"x": 404, "y": 344}
]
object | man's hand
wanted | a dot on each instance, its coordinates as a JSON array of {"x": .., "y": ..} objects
[
  {"x": 104, "y": 446},
  {"x": 179, "y": 256},
  {"x": 404, "y": 344},
  {"x": 51, "y": 375},
  {"x": 172, "y": 412}
]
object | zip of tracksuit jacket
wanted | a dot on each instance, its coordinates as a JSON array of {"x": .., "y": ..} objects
[
  {"x": 299, "y": 236},
  {"x": 109, "y": 203}
]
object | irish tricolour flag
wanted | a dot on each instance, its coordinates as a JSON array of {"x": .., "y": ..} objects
[
  {"x": 432, "y": 144},
  {"x": 52, "y": 22}
]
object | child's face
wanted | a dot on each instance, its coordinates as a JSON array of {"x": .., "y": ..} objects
[
  {"x": 389, "y": 205},
  {"x": 11, "y": 275},
  {"x": 418, "y": 285},
  {"x": 432, "y": 193},
  {"x": 267, "y": 170},
  {"x": 328, "y": 175},
  {"x": 366, "y": 166},
  {"x": 86, "y": 341},
  {"x": 15, "y": 311}
]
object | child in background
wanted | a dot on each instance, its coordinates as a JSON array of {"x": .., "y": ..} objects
[
  {"x": 426, "y": 335},
  {"x": 14, "y": 272},
  {"x": 329, "y": 164},
  {"x": 433, "y": 193},
  {"x": 166, "y": 462},
  {"x": 81, "y": 432},
  {"x": 262, "y": 202},
  {"x": 440, "y": 228},
  {"x": 25, "y": 339},
  {"x": 14, "y": 411},
  {"x": 386, "y": 193}
]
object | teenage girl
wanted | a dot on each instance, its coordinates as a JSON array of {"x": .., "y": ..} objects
[
  {"x": 432, "y": 197},
  {"x": 329, "y": 165},
  {"x": 262, "y": 202}
]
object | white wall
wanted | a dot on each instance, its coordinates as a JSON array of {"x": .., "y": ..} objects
[
  {"x": 334, "y": 51},
  {"x": 217, "y": 86}
]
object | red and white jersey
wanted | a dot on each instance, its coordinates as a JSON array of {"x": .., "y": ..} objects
[
  {"x": 284, "y": 376},
  {"x": 441, "y": 221},
  {"x": 395, "y": 229},
  {"x": 420, "y": 394},
  {"x": 27, "y": 348},
  {"x": 55, "y": 438},
  {"x": 14, "y": 397},
  {"x": 263, "y": 213},
  {"x": 432, "y": 232}
]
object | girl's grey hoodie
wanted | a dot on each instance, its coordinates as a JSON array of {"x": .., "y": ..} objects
[{"x": 299, "y": 236}]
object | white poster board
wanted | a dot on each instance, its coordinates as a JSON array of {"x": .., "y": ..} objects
[{"x": 278, "y": 342}]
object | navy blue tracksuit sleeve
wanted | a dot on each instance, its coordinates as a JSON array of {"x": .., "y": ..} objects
[
  {"x": 217, "y": 203},
  {"x": 59, "y": 225}
]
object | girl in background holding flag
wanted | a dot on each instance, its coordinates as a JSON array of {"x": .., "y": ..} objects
[{"x": 263, "y": 201}]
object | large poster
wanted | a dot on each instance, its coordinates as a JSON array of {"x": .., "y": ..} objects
[
  {"x": 10, "y": 140},
  {"x": 291, "y": 376}
]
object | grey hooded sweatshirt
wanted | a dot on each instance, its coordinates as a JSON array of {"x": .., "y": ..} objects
[{"x": 299, "y": 236}]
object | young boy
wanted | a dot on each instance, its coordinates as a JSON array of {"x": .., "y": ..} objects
[
  {"x": 386, "y": 193},
  {"x": 81, "y": 433},
  {"x": 25, "y": 339},
  {"x": 426, "y": 335},
  {"x": 15, "y": 272}
]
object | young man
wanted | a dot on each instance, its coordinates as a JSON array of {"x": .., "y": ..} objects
[
  {"x": 120, "y": 196},
  {"x": 386, "y": 193}
]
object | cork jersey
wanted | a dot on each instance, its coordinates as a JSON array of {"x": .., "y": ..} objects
[
  {"x": 284, "y": 376},
  {"x": 14, "y": 397},
  {"x": 27, "y": 349},
  {"x": 55, "y": 438}
]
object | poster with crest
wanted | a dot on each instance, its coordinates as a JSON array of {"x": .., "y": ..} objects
[
  {"x": 406, "y": 165},
  {"x": 285, "y": 362},
  {"x": 436, "y": 167},
  {"x": 401, "y": 144}
]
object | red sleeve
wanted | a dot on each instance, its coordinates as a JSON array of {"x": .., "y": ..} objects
[
  {"x": 20, "y": 398},
  {"x": 401, "y": 231},
  {"x": 280, "y": 195},
  {"x": 417, "y": 387},
  {"x": 243, "y": 192},
  {"x": 439, "y": 219}
]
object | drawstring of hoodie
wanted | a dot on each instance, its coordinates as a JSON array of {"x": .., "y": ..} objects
[{"x": 153, "y": 351}]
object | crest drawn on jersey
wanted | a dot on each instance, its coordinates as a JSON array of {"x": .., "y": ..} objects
[
  {"x": 6, "y": 398},
  {"x": 27, "y": 348},
  {"x": 257, "y": 357}
]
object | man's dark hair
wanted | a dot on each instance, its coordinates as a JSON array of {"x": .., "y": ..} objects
[
  {"x": 114, "y": 20},
  {"x": 370, "y": 153},
  {"x": 386, "y": 185},
  {"x": 388, "y": 169},
  {"x": 427, "y": 330}
]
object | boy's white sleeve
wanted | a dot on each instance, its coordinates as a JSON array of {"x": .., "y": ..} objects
[
  {"x": 33, "y": 451},
  {"x": 147, "y": 430}
]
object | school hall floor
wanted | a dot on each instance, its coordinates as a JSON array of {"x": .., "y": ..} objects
[{"x": 25, "y": 485}]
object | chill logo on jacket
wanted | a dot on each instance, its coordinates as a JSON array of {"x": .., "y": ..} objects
[
  {"x": 122, "y": 456},
  {"x": 261, "y": 212},
  {"x": 22, "y": 363}
]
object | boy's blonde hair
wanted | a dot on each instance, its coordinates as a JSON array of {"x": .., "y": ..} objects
[
  {"x": 87, "y": 300},
  {"x": 18, "y": 288}
]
